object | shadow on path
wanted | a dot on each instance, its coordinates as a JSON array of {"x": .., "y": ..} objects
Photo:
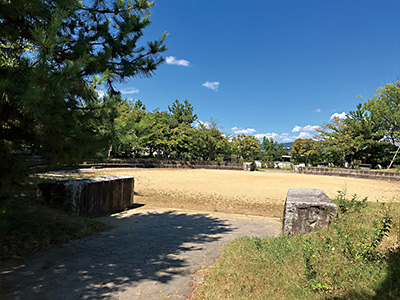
[{"x": 153, "y": 247}]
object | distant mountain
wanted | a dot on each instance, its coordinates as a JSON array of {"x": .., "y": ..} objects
[{"x": 288, "y": 145}]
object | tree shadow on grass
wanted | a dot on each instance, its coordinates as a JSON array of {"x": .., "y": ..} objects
[
  {"x": 389, "y": 289},
  {"x": 146, "y": 247}
]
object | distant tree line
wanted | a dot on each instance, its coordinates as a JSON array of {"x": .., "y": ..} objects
[
  {"x": 176, "y": 133},
  {"x": 368, "y": 135}
]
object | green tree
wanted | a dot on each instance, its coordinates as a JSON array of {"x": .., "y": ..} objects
[
  {"x": 128, "y": 127},
  {"x": 306, "y": 151},
  {"x": 157, "y": 134},
  {"x": 208, "y": 141},
  {"x": 366, "y": 135},
  {"x": 272, "y": 148},
  {"x": 182, "y": 118},
  {"x": 246, "y": 147},
  {"x": 384, "y": 109},
  {"x": 181, "y": 141},
  {"x": 338, "y": 141},
  {"x": 54, "y": 55},
  {"x": 182, "y": 113}
]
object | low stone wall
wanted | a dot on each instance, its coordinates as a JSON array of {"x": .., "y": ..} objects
[
  {"x": 91, "y": 197},
  {"x": 147, "y": 163},
  {"x": 391, "y": 176}
]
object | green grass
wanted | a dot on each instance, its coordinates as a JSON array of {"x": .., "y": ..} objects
[
  {"x": 356, "y": 258},
  {"x": 27, "y": 225}
]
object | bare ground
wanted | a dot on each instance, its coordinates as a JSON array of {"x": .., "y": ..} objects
[{"x": 256, "y": 193}]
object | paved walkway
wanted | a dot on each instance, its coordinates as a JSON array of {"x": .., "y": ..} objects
[{"x": 150, "y": 254}]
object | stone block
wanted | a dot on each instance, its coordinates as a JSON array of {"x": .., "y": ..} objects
[
  {"x": 248, "y": 166},
  {"x": 365, "y": 166},
  {"x": 91, "y": 197},
  {"x": 307, "y": 210}
]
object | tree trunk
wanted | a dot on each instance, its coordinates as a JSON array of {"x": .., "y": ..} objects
[
  {"x": 344, "y": 159},
  {"x": 397, "y": 151},
  {"x": 109, "y": 152}
]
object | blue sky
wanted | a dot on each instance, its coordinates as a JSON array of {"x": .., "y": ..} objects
[{"x": 274, "y": 68}]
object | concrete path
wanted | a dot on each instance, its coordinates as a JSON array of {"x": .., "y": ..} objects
[{"x": 150, "y": 254}]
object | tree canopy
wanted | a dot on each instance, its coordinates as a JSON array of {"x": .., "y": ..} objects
[
  {"x": 384, "y": 109},
  {"x": 368, "y": 134},
  {"x": 54, "y": 56},
  {"x": 306, "y": 151}
]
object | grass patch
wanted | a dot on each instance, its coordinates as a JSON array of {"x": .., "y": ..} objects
[
  {"x": 27, "y": 225},
  {"x": 358, "y": 257}
]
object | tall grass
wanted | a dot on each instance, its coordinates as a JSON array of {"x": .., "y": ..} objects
[{"x": 356, "y": 258}]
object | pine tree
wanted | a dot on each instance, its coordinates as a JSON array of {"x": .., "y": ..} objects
[{"x": 54, "y": 55}]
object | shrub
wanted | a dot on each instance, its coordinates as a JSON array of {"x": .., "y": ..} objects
[{"x": 346, "y": 205}]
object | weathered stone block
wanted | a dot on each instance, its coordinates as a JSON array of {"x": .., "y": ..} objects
[
  {"x": 365, "y": 166},
  {"x": 307, "y": 210},
  {"x": 91, "y": 197},
  {"x": 248, "y": 166}
]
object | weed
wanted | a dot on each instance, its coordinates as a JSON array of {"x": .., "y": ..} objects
[
  {"x": 309, "y": 257},
  {"x": 346, "y": 205},
  {"x": 350, "y": 244}
]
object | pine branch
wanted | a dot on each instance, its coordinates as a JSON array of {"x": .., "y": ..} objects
[{"x": 108, "y": 11}]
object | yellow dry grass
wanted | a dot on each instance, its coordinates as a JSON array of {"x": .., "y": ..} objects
[{"x": 259, "y": 193}]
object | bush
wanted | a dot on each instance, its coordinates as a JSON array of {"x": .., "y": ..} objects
[{"x": 346, "y": 205}]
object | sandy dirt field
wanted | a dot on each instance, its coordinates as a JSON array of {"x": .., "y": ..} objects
[{"x": 257, "y": 193}]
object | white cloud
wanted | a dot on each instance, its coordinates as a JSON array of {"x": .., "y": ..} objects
[
  {"x": 211, "y": 85},
  {"x": 337, "y": 115},
  {"x": 281, "y": 138},
  {"x": 245, "y": 131},
  {"x": 305, "y": 128},
  {"x": 273, "y": 135},
  {"x": 129, "y": 91},
  {"x": 286, "y": 140},
  {"x": 296, "y": 129},
  {"x": 305, "y": 135},
  {"x": 171, "y": 60},
  {"x": 199, "y": 122},
  {"x": 284, "y": 137},
  {"x": 100, "y": 93},
  {"x": 306, "y": 132}
]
